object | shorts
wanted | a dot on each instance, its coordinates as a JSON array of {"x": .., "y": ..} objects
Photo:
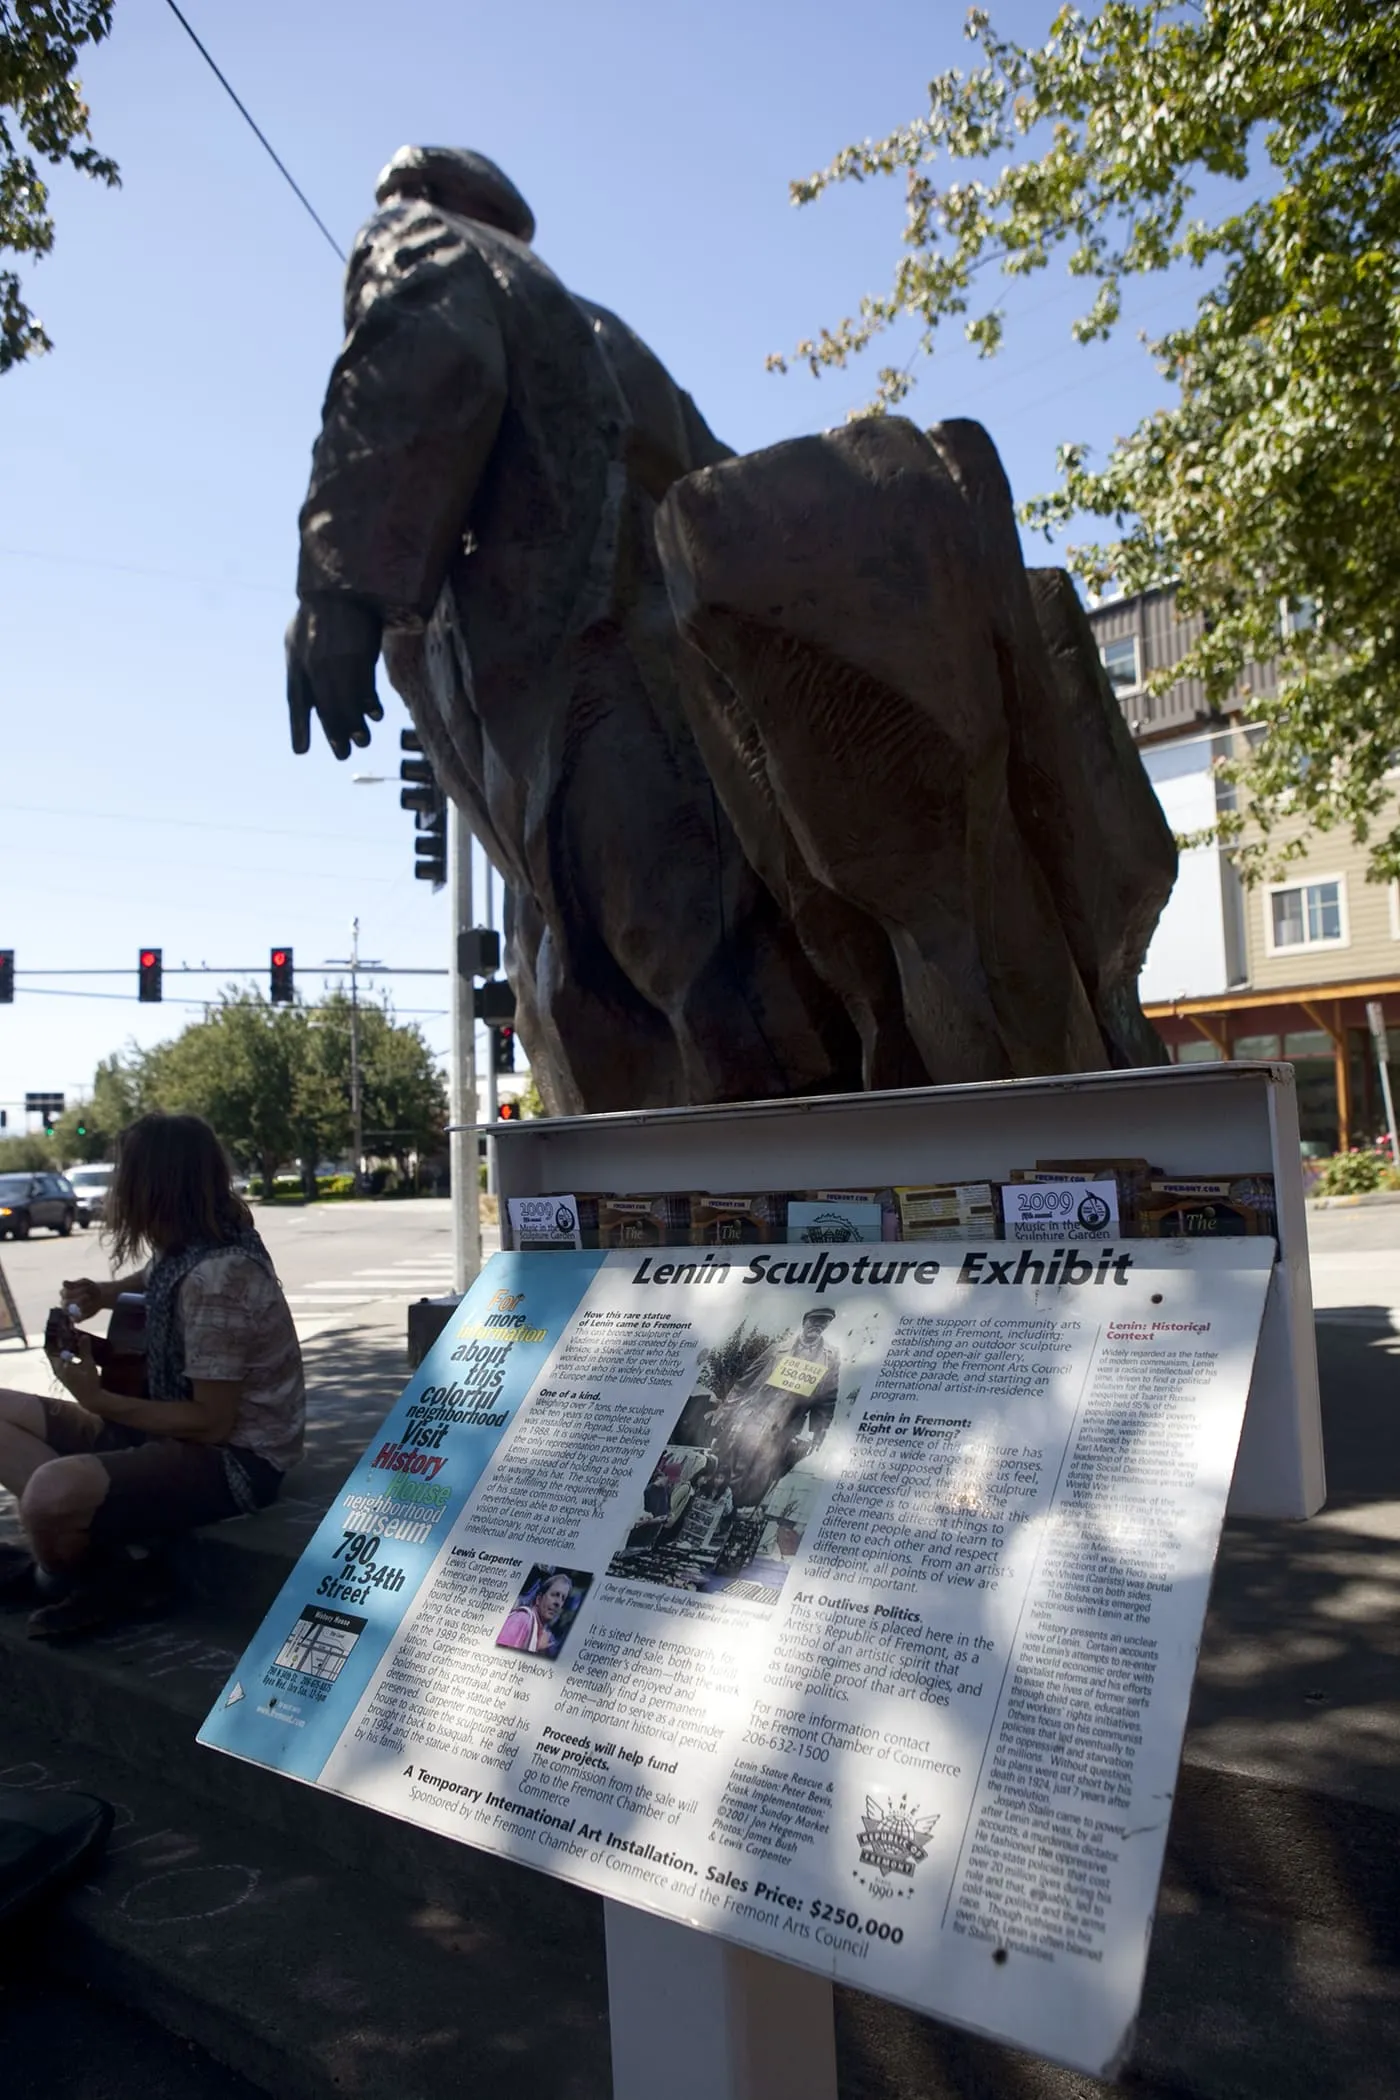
[{"x": 159, "y": 1484}]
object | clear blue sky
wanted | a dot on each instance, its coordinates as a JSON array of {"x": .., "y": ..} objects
[{"x": 154, "y": 463}]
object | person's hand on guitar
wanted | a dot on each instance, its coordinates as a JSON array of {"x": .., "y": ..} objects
[{"x": 82, "y": 1297}]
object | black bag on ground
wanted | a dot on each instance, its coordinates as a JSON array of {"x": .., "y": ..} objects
[{"x": 45, "y": 1841}]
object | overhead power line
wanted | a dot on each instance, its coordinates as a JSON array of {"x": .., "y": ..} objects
[{"x": 260, "y": 135}]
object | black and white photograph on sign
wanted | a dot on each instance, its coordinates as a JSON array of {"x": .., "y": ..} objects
[
  {"x": 727, "y": 1503},
  {"x": 542, "y": 1616}
]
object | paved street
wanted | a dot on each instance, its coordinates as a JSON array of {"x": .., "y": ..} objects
[{"x": 331, "y": 1257}]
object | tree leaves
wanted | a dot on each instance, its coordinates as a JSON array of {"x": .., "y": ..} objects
[
  {"x": 42, "y": 118},
  {"x": 1275, "y": 479},
  {"x": 274, "y": 1081}
]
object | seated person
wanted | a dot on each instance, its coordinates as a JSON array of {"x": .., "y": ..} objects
[{"x": 97, "y": 1472}]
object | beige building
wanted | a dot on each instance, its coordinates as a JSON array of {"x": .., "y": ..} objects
[{"x": 1285, "y": 968}]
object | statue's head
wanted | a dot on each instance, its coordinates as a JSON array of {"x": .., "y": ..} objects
[{"x": 460, "y": 181}]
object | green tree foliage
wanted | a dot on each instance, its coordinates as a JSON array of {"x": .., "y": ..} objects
[
  {"x": 27, "y": 1155},
  {"x": 403, "y": 1098},
  {"x": 240, "y": 1068},
  {"x": 42, "y": 118},
  {"x": 1275, "y": 477},
  {"x": 531, "y": 1099},
  {"x": 274, "y": 1081}
]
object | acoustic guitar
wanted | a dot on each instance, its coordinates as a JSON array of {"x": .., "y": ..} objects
[{"x": 120, "y": 1354}]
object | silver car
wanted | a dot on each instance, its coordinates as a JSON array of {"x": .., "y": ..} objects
[{"x": 90, "y": 1186}]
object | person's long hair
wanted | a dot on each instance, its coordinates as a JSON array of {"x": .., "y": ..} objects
[{"x": 172, "y": 1188}]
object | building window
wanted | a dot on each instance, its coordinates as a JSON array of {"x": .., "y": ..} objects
[
  {"x": 1201, "y": 1053},
  {"x": 1122, "y": 659},
  {"x": 1297, "y": 615},
  {"x": 1395, "y": 911},
  {"x": 1306, "y": 915},
  {"x": 1255, "y": 1049},
  {"x": 1309, "y": 1042}
]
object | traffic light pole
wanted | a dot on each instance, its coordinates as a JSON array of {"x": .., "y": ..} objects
[
  {"x": 492, "y": 1092},
  {"x": 466, "y": 1189}
]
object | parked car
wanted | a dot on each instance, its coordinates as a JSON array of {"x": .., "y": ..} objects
[
  {"x": 90, "y": 1186},
  {"x": 36, "y": 1199}
]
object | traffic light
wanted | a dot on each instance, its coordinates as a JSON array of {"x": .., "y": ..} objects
[
  {"x": 82, "y": 1129},
  {"x": 503, "y": 1049},
  {"x": 281, "y": 972},
  {"x": 494, "y": 1002},
  {"x": 7, "y": 976},
  {"x": 430, "y": 847},
  {"x": 421, "y": 793},
  {"x": 508, "y": 1112},
  {"x": 148, "y": 976}
]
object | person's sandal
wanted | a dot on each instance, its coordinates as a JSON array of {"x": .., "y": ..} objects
[{"x": 111, "y": 1596}]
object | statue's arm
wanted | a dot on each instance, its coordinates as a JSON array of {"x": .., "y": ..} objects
[{"x": 410, "y": 417}]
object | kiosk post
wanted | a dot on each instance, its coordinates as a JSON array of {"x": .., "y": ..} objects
[{"x": 722, "y": 2022}]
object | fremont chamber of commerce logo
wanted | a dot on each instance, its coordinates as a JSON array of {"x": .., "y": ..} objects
[{"x": 894, "y": 1839}]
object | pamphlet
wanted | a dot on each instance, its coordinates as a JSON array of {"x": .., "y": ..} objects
[
  {"x": 544, "y": 1221},
  {"x": 1059, "y": 1210}
]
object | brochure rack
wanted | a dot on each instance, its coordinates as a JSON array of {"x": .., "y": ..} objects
[{"x": 1187, "y": 1119}]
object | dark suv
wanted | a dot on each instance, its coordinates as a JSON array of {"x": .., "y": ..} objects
[{"x": 36, "y": 1199}]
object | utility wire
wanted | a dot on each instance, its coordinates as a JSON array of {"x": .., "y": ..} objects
[{"x": 257, "y": 132}]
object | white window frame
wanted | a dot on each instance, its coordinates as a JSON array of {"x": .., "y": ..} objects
[
  {"x": 1393, "y": 891},
  {"x": 1305, "y": 946},
  {"x": 1123, "y": 692}
]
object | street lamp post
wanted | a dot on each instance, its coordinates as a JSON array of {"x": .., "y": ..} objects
[{"x": 352, "y": 963}]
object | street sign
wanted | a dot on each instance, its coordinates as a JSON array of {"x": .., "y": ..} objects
[
  {"x": 44, "y": 1104},
  {"x": 11, "y": 1325},
  {"x": 1375, "y": 1021},
  {"x": 479, "y": 951},
  {"x": 494, "y": 1002}
]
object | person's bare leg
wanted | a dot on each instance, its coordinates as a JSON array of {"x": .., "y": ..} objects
[
  {"x": 57, "y": 1509},
  {"x": 22, "y": 1446}
]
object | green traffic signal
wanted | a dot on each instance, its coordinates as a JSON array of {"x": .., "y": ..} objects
[{"x": 82, "y": 1130}]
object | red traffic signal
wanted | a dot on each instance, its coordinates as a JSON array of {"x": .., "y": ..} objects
[
  {"x": 508, "y": 1112},
  {"x": 282, "y": 989},
  {"x": 148, "y": 981}
]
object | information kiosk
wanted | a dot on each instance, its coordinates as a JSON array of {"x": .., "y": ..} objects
[{"x": 812, "y": 1577}]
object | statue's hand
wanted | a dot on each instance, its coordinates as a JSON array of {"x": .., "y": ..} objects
[{"x": 332, "y": 649}]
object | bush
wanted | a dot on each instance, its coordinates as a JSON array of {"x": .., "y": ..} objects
[
  {"x": 27, "y": 1155},
  {"x": 1353, "y": 1174}
]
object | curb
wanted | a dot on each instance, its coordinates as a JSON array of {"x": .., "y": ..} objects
[{"x": 1371, "y": 1197}]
